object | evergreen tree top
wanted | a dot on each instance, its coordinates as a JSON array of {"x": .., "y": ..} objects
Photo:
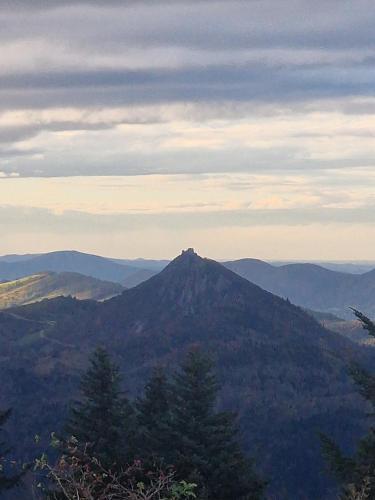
[
  {"x": 205, "y": 441},
  {"x": 196, "y": 383},
  {"x": 102, "y": 415}
]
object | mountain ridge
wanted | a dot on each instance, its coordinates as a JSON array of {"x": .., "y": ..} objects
[
  {"x": 312, "y": 286},
  {"x": 67, "y": 261},
  {"x": 48, "y": 285},
  {"x": 308, "y": 285}
]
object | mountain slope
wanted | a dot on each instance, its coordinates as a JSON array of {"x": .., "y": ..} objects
[
  {"x": 150, "y": 264},
  {"x": 138, "y": 277},
  {"x": 352, "y": 329},
  {"x": 355, "y": 267},
  {"x": 17, "y": 257},
  {"x": 312, "y": 286},
  {"x": 283, "y": 373},
  {"x": 48, "y": 285},
  {"x": 67, "y": 261}
]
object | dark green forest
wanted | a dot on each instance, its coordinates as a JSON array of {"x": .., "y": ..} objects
[{"x": 172, "y": 439}]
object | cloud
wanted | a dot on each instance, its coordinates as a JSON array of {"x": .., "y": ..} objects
[
  {"x": 161, "y": 195},
  {"x": 262, "y": 110},
  {"x": 29, "y": 220},
  {"x": 207, "y": 24},
  {"x": 253, "y": 82},
  {"x": 126, "y": 88},
  {"x": 182, "y": 140},
  {"x": 13, "y": 134},
  {"x": 256, "y": 212},
  {"x": 53, "y": 4},
  {"x": 207, "y": 52}
]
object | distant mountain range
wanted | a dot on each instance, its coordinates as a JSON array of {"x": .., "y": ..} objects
[
  {"x": 354, "y": 267},
  {"x": 359, "y": 267},
  {"x": 14, "y": 267},
  {"x": 18, "y": 257},
  {"x": 312, "y": 286},
  {"x": 147, "y": 264},
  {"x": 283, "y": 373},
  {"x": 309, "y": 285},
  {"x": 49, "y": 285}
]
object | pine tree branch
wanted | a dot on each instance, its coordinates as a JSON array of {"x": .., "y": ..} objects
[{"x": 367, "y": 324}]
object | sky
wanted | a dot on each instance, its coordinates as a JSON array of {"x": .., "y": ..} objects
[{"x": 242, "y": 128}]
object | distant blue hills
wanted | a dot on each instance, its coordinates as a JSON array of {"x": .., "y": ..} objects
[{"x": 331, "y": 287}]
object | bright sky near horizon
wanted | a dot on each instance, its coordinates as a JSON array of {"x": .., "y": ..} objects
[{"x": 238, "y": 127}]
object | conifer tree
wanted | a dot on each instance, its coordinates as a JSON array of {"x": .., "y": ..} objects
[
  {"x": 153, "y": 418},
  {"x": 203, "y": 442},
  {"x": 356, "y": 474},
  {"x": 103, "y": 418},
  {"x": 6, "y": 481}
]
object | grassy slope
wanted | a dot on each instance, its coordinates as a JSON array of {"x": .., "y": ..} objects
[{"x": 49, "y": 285}]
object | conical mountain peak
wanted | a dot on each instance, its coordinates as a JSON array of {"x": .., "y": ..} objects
[
  {"x": 187, "y": 257},
  {"x": 191, "y": 283},
  {"x": 192, "y": 267},
  {"x": 196, "y": 297}
]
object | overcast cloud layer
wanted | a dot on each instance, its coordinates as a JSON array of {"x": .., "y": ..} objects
[
  {"x": 243, "y": 88},
  {"x": 79, "y": 67}
]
